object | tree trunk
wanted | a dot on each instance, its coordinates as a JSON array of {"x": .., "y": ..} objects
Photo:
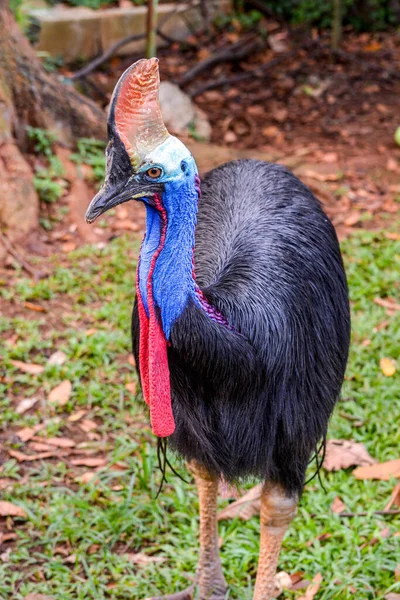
[{"x": 31, "y": 96}]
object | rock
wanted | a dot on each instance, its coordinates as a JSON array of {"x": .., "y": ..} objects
[
  {"x": 177, "y": 108},
  {"x": 19, "y": 202},
  {"x": 180, "y": 114}
]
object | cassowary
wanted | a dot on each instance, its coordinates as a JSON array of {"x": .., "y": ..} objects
[{"x": 241, "y": 321}]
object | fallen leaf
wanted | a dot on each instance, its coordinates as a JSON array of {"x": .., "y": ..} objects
[
  {"x": 388, "y": 366},
  {"x": 7, "y": 509},
  {"x": 57, "y": 358},
  {"x": 88, "y": 425},
  {"x": 21, "y": 457},
  {"x": 30, "y": 368},
  {"x": 25, "y": 405},
  {"x": 394, "y": 498},
  {"x": 313, "y": 588},
  {"x": 338, "y": 506},
  {"x": 386, "y": 303},
  {"x": 87, "y": 477},
  {"x": 131, "y": 360},
  {"x": 383, "y": 471},
  {"x": 322, "y": 176},
  {"x": 89, "y": 462},
  {"x": 353, "y": 218},
  {"x": 131, "y": 387},
  {"x": 58, "y": 442},
  {"x": 76, "y": 416},
  {"x": 61, "y": 393},
  {"x": 143, "y": 559},
  {"x": 342, "y": 454},
  {"x": 246, "y": 507},
  {"x": 392, "y": 596},
  {"x": 40, "y": 447},
  {"x": 71, "y": 559},
  {"x": 26, "y": 433},
  {"x": 91, "y": 331},
  {"x": 36, "y": 307}
]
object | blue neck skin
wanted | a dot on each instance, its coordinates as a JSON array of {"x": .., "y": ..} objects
[{"x": 173, "y": 282}]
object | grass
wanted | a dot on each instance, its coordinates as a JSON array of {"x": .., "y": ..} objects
[{"x": 78, "y": 539}]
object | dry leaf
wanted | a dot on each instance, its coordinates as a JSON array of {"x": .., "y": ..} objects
[
  {"x": 88, "y": 425},
  {"x": 353, "y": 218},
  {"x": 392, "y": 596},
  {"x": 27, "y": 433},
  {"x": 39, "y": 447},
  {"x": 246, "y": 507},
  {"x": 21, "y": 457},
  {"x": 7, "y": 509},
  {"x": 383, "y": 471},
  {"x": 76, "y": 416},
  {"x": 394, "y": 498},
  {"x": 89, "y": 462},
  {"x": 313, "y": 588},
  {"x": 131, "y": 387},
  {"x": 338, "y": 506},
  {"x": 143, "y": 559},
  {"x": 30, "y": 368},
  {"x": 386, "y": 303},
  {"x": 57, "y": 358},
  {"x": 388, "y": 366},
  {"x": 25, "y": 405},
  {"x": 342, "y": 454},
  {"x": 86, "y": 477},
  {"x": 61, "y": 393},
  {"x": 58, "y": 442},
  {"x": 36, "y": 307}
]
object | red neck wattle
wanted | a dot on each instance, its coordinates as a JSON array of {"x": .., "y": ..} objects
[{"x": 153, "y": 358}]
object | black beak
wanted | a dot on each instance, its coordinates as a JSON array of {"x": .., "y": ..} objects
[{"x": 112, "y": 195}]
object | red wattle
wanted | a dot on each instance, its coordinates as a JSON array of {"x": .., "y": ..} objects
[{"x": 153, "y": 358}]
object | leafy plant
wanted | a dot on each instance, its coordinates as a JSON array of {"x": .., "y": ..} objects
[{"x": 91, "y": 152}]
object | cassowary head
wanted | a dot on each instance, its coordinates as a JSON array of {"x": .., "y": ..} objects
[{"x": 143, "y": 159}]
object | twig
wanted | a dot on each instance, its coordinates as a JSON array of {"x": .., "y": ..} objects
[
  {"x": 99, "y": 60},
  {"x": 383, "y": 513},
  {"x": 258, "y": 72},
  {"x": 233, "y": 53},
  {"x": 11, "y": 250}
]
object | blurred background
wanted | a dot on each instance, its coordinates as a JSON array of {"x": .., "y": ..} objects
[{"x": 311, "y": 84}]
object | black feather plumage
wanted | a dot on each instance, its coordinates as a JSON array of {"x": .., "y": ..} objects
[{"x": 256, "y": 400}]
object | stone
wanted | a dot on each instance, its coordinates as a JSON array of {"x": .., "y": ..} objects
[
  {"x": 177, "y": 108},
  {"x": 180, "y": 114}
]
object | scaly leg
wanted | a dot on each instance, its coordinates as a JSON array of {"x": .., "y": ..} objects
[
  {"x": 211, "y": 580},
  {"x": 277, "y": 511}
]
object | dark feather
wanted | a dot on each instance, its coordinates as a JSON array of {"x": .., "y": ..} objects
[{"x": 256, "y": 401}]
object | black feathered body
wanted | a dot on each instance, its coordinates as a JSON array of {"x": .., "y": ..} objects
[{"x": 254, "y": 398}]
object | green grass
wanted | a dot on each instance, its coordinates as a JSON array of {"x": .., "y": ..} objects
[{"x": 98, "y": 524}]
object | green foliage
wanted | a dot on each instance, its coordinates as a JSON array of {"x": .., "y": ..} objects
[
  {"x": 42, "y": 140},
  {"x": 47, "y": 180},
  {"x": 91, "y": 152},
  {"x": 100, "y": 524},
  {"x": 361, "y": 14},
  {"x": 246, "y": 21}
]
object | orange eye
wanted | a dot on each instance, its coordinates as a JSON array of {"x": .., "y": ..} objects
[{"x": 154, "y": 173}]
